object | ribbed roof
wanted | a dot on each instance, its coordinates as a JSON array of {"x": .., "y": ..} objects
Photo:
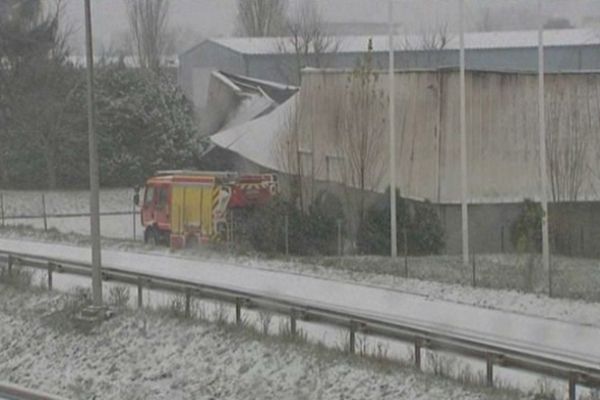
[{"x": 473, "y": 40}]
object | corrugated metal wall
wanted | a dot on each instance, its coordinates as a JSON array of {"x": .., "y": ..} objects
[{"x": 502, "y": 126}]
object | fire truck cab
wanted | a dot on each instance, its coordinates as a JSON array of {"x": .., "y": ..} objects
[{"x": 185, "y": 208}]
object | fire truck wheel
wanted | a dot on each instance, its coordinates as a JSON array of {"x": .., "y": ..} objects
[{"x": 151, "y": 236}]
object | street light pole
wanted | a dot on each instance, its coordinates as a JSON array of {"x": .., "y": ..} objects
[
  {"x": 542, "y": 126},
  {"x": 463, "y": 140},
  {"x": 94, "y": 174},
  {"x": 392, "y": 107}
]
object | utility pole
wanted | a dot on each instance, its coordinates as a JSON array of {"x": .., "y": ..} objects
[
  {"x": 463, "y": 140},
  {"x": 392, "y": 106},
  {"x": 542, "y": 126},
  {"x": 94, "y": 174}
]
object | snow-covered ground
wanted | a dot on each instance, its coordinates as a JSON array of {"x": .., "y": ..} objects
[
  {"x": 152, "y": 356},
  {"x": 29, "y": 203},
  {"x": 560, "y": 340}
]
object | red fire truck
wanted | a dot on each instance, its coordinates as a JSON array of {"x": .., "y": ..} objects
[{"x": 185, "y": 208}]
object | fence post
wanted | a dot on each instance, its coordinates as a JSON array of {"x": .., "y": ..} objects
[
  {"x": 550, "y": 279},
  {"x": 287, "y": 239},
  {"x": 502, "y": 239},
  {"x": 44, "y": 212},
  {"x": 405, "y": 233},
  {"x": 339, "y": 234},
  {"x": 232, "y": 227},
  {"x": 581, "y": 241},
  {"x": 140, "y": 299},
  {"x": 2, "y": 208},
  {"x": 134, "y": 221},
  {"x": 50, "y": 268},
  {"x": 474, "y": 278},
  {"x": 10, "y": 264}
]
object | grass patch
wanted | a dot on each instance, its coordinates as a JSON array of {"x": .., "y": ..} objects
[
  {"x": 119, "y": 296},
  {"x": 17, "y": 277}
]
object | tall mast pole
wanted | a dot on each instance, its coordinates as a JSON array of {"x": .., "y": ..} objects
[
  {"x": 392, "y": 117},
  {"x": 463, "y": 140},
  {"x": 542, "y": 126},
  {"x": 94, "y": 174}
]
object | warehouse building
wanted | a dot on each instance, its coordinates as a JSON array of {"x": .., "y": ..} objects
[
  {"x": 503, "y": 147},
  {"x": 271, "y": 58}
]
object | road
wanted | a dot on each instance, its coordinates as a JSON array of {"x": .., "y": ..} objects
[{"x": 560, "y": 340}]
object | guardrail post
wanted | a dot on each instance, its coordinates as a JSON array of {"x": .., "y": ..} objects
[
  {"x": 50, "y": 268},
  {"x": 352, "y": 344},
  {"x": 140, "y": 299},
  {"x": 573, "y": 388},
  {"x": 418, "y": 353},
  {"x": 293, "y": 323},
  {"x": 44, "y": 212},
  {"x": 238, "y": 311},
  {"x": 188, "y": 299},
  {"x": 489, "y": 369}
]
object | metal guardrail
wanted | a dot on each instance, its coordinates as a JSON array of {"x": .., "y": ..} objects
[
  {"x": 564, "y": 366},
  {"x": 10, "y": 391}
]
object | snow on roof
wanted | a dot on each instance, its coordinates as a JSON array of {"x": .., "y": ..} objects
[
  {"x": 255, "y": 140},
  {"x": 473, "y": 40},
  {"x": 255, "y": 101}
]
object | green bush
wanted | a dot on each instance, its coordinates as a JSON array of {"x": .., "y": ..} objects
[
  {"x": 526, "y": 230},
  {"x": 309, "y": 233},
  {"x": 421, "y": 222}
]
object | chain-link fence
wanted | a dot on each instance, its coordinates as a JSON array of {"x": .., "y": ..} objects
[
  {"x": 505, "y": 239},
  {"x": 68, "y": 211}
]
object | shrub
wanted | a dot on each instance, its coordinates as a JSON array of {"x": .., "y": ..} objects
[
  {"x": 312, "y": 232},
  {"x": 426, "y": 234},
  {"x": 526, "y": 230},
  {"x": 423, "y": 227},
  {"x": 322, "y": 219}
]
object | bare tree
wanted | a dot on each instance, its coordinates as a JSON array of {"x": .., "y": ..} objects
[
  {"x": 293, "y": 155},
  {"x": 361, "y": 126},
  {"x": 148, "y": 20},
  {"x": 567, "y": 142},
  {"x": 306, "y": 41},
  {"x": 436, "y": 38},
  {"x": 259, "y": 18}
]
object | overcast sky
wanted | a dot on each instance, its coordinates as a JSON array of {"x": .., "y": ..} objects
[{"x": 198, "y": 19}]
